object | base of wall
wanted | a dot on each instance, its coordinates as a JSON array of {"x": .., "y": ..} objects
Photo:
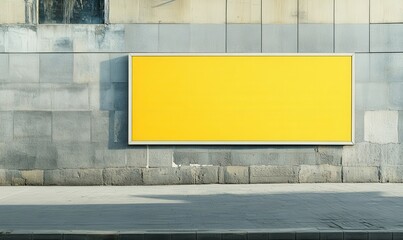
[{"x": 195, "y": 175}]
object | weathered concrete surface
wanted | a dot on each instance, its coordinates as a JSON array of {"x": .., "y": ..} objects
[{"x": 242, "y": 208}]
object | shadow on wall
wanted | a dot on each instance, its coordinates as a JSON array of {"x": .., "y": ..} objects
[
  {"x": 280, "y": 211},
  {"x": 113, "y": 97}
]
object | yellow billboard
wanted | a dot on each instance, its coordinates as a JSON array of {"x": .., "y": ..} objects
[{"x": 240, "y": 99}]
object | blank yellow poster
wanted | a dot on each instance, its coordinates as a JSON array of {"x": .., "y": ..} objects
[{"x": 240, "y": 99}]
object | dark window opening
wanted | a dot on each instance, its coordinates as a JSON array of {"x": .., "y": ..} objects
[{"x": 71, "y": 11}]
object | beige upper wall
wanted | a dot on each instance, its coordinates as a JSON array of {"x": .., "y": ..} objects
[
  {"x": 12, "y": 11},
  {"x": 280, "y": 11},
  {"x": 352, "y": 11},
  {"x": 166, "y": 11},
  {"x": 244, "y": 11},
  {"x": 386, "y": 11},
  {"x": 316, "y": 11},
  {"x": 238, "y": 11}
]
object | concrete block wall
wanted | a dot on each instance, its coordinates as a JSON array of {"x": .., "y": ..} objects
[{"x": 63, "y": 91}]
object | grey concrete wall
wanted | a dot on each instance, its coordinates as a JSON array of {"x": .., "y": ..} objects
[{"x": 63, "y": 92}]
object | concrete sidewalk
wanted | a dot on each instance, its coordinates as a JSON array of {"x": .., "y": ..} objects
[{"x": 278, "y": 211}]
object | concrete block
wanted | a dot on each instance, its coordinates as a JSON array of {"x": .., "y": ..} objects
[
  {"x": 3, "y": 180},
  {"x": 205, "y": 175},
  {"x": 99, "y": 38},
  {"x": 274, "y": 156},
  {"x": 279, "y": 38},
  {"x": 160, "y": 156},
  {"x": 362, "y": 154},
  {"x": 110, "y": 158},
  {"x": 350, "y": 38},
  {"x": 55, "y": 38},
  {"x": 20, "y": 38},
  {"x": 279, "y": 11},
  {"x": 120, "y": 131},
  {"x": 248, "y": 11},
  {"x": 6, "y": 126},
  {"x": 119, "y": 67},
  {"x": 100, "y": 126},
  {"x": 71, "y": 126},
  {"x": 400, "y": 126},
  {"x": 371, "y": 96},
  {"x": 32, "y": 125},
  {"x": 315, "y": 11},
  {"x": 381, "y": 126},
  {"x": 14, "y": 178},
  {"x": 315, "y": 38},
  {"x": 75, "y": 155},
  {"x": 360, "y": 174},
  {"x": 141, "y": 11},
  {"x": 208, "y": 11},
  {"x": 46, "y": 156},
  {"x": 174, "y": 38},
  {"x": 122, "y": 176},
  {"x": 2, "y": 38},
  {"x": 167, "y": 176},
  {"x": 331, "y": 155},
  {"x": 23, "y": 68},
  {"x": 27, "y": 155},
  {"x": 392, "y": 174},
  {"x": 386, "y": 67},
  {"x": 4, "y": 62},
  {"x": 73, "y": 177},
  {"x": 136, "y": 156},
  {"x": 220, "y": 158},
  {"x": 320, "y": 174},
  {"x": 274, "y": 174},
  {"x": 141, "y": 37},
  {"x": 386, "y": 11},
  {"x": 181, "y": 11},
  {"x": 368, "y": 154},
  {"x": 386, "y": 37},
  {"x": 244, "y": 38},
  {"x": 56, "y": 68},
  {"x": 90, "y": 67},
  {"x": 362, "y": 67},
  {"x": 109, "y": 96},
  {"x": 6, "y": 98},
  {"x": 30, "y": 96},
  {"x": 207, "y": 38},
  {"x": 70, "y": 97},
  {"x": 33, "y": 177},
  {"x": 359, "y": 126},
  {"x": 186, "y": 158},
  {"x": 221, "y": 175},
  {"x": 236, "y": 174},
  {"x": 351, "y": 12},
  {"x": 395, "y": 95},
  {"x": 12, "y": 11},
  {"x": 252, "y": 157}
]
